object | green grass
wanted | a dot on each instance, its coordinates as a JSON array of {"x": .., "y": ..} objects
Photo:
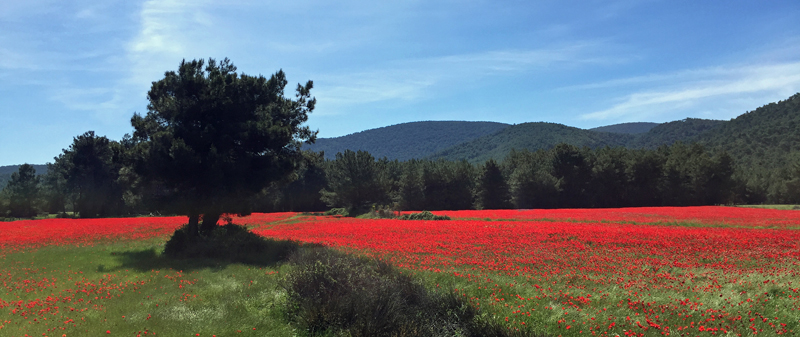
[
  {"x": 128, "y": 288},
  {"x": 782, "y": 207}
]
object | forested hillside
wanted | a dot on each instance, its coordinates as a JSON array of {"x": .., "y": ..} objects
[
  {"x": 764, "y": 137},
  {"x": 629, "y": 128},
  {"x": 752, "y": 159},
  {"x": 6, "y": 171},
  {"x": 536, "y": 136},
  {"x": 685, "y": 131},
  {"x": 408, "y": 140},
  {"x": 530, "y": 136}
]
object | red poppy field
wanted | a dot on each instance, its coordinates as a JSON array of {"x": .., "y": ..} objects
[{"x": 693, "y": 271}]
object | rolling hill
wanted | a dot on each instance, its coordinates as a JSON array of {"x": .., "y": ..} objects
[
  {"x": 479, "y": 141},
  {"x": 535, "y": 136},
  {"x": 6, "y": 171},
  {"x": 531, "y": 136},
  {"x": 629, "y": 128},
  {"x": 686, "y": 130},
  {"x": 766, "y": 137},
  {"x": 408, "y": 140}
]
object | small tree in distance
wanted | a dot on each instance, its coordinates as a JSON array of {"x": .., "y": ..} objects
[
  {"x": 492, "y": 191},
  {"x": 213, "y": 138},
  {"x": 356, "y": 181},
  {"x": 22, "y": 192}
]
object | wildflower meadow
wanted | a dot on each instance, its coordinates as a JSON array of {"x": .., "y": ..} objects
[{"x": 671, "y": 271}]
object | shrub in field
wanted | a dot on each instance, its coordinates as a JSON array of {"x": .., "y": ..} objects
[
  {"x": 334, "y": 293},
  {"x": 229, "y": 242},
  {"x": 424, "y": 215},
  {"x": 379, "y": 213},
  {"x": 337, "y": 211}
]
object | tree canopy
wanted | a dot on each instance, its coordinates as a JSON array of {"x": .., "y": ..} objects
[
  {"x": 22, "y": 191},
  {"x": 213, "y": 138},
  {"x": 88, "y": 172}
]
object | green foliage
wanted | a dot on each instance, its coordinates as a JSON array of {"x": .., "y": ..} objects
[
  {"x": 492, "y": 190},
  {"x": 408, "y": 140},
  {"x": 536, "y": 136},
  {"x": 629, "y": 128},
  {"x": 330, "y": 293},
  {"x": 212, "y": 138},
  {"x": 381, "y": 212},
  {"x": 609, "y": 177},
  {"x": 448, "y": 185},
  {"x": 568, "y": 177},
  {"x": 22, "y": 193},
  {"x": 764, "y": 137},
  {"x": 644, "y": 170},
  {"x": 530, "y": 136},
  {"x": 299, "y": 192},
  {"x": 7, "y": 170},
  {"x": 304, "y": 194},
  {"x": 572, "y": 170},
  {"x": 411, "y": 194},
  {"x": 685, "y": 130},
  {"x": 341, "y": 211},
  {"x": 87, "y": 173},
  {"x": 424, "y": 215},
  {"x": 356, "y": 181}
]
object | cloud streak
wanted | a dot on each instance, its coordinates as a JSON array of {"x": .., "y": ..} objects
[
  {"x": 699, "y": 89},
  {"x": 415, "y": 79},
  {"x": 169, "y": 31}
]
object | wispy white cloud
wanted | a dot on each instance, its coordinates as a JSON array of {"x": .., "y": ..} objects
[
  {"x": 700, "y": 90},
  {"x": 169, "y": 30},
  {"x": 416, "y": 79},
  {"x": 104, "y": 103}
]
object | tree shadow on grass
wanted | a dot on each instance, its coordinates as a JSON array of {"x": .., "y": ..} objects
[
  {"x": 211, "y": 252},
  {"x": 149, "y": 259}
]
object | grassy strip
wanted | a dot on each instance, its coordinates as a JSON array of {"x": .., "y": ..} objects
[
  {"x": 781, "y": 207},
  {"x": 130, "y": 288}
]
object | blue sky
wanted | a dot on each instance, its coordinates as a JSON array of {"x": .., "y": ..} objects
[{"x": 67, "y": 67}]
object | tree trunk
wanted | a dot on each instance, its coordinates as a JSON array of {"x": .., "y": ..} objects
[
  {"x": 209, "y": 222},
  {"x": 193, "y": 220}
]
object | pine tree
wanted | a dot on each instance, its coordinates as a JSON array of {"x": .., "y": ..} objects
[{"x": 492, "y": 191}]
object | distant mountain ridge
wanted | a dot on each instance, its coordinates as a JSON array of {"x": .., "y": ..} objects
[
  {"x": 536, "y": 136},
  {"x": 7, "y": 170},
  {"x": 768, "y": 136},
  {"x": 480, "y": 141},
  {"x": 408, "y": 140},
  {"x": 532, "y": 136},
  {"x": 629, "y": 128}
]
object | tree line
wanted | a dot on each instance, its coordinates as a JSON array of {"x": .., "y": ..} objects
[
  {"x": 96, "y": 177},
  {"x": 214, "y": 141}
]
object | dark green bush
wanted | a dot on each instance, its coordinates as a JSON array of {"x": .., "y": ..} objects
[
  {"x": 379, "y": 213},
  {"x": 337, "y": 211},
  {"x": 424, "y": 215},
  {"x": 330, "y": 293},
  {"x": 230, "y": 242}
]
